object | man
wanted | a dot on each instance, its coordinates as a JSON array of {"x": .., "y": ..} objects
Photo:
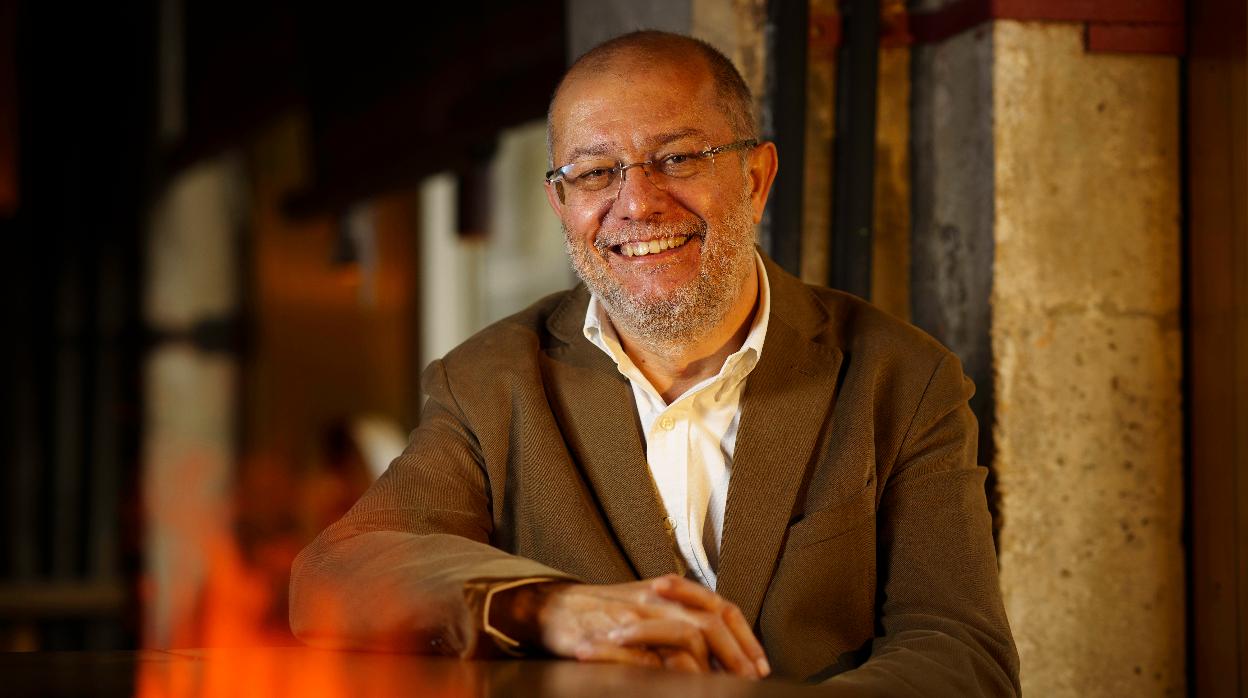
[{"x": 693, "y": 460}]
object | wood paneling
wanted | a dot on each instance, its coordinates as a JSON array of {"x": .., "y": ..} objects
[
  {"x": 8, "y": 107},
  {"x": 1217, "y": 357},
  {"x": 1131, "y": 26}
]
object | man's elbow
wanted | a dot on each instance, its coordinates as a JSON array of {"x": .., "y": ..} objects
[{"x": 317, "y": 605}]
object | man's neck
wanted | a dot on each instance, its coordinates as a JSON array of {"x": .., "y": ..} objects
[{"x": 673, "y": 369}]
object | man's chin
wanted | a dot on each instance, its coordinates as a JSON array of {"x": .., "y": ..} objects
[
  {"x": 646, "y": 305},
  {"x": 653, "y": 294}
]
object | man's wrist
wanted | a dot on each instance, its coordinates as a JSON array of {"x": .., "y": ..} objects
[{"x": 513, "y": 613}]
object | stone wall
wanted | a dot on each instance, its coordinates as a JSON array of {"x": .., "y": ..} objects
[{"x": 1086, "y": 345}]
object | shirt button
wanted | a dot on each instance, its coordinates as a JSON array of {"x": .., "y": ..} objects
[
  {"x": 670, "y": 524},
  {"x": 667, "y": 422}
]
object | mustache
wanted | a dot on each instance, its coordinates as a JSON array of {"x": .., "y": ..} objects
[{"x": 636, "y": 231}]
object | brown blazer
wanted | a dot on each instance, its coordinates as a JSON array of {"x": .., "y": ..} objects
[{"x": 856, "y": 537}]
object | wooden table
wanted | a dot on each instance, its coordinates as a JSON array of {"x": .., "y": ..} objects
[{"x": 273, "y": 672}]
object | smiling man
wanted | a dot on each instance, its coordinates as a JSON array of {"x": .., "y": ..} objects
[{"x": 692, "y": 460}]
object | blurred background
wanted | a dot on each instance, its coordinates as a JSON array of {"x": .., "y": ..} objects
[{"x": 237, "y": 231}]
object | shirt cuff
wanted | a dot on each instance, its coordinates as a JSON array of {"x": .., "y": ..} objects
[{"x": 485, "y": 592}]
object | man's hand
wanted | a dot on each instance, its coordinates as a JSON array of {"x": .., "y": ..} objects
[{"x": 669, "y": 621}]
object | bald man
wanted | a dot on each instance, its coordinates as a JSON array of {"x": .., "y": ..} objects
[{"x": 691, "y": 460}]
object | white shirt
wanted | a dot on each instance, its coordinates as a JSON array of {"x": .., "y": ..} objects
[{"x": 689, "y": 443}]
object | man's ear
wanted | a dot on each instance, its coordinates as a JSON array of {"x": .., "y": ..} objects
[
  {"x": 552, "y": 198},
  {"x": 762, "y": 172}
]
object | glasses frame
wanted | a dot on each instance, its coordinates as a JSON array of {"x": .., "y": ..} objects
[{"x": 558, "y": 175}]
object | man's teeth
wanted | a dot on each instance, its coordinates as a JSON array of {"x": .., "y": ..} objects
[{"x": 637, "y": 249}]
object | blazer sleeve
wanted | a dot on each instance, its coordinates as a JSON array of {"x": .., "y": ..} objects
[
  {"x": 942, "y": 629},
  {"x": 407, "y": 567}
]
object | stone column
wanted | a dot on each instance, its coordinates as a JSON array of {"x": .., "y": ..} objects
[
  {"x": 952, "y": 248},
  {"x": 591, "y": 22},
  {"x": 735, "y": 27},
  {"x": 1086, "y": 343},
  {"x": 191, "y": 397},
  {"x": 1047, "y": 255}
]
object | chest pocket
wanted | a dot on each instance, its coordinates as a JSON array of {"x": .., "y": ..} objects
[{"x": 833, "y": 522}]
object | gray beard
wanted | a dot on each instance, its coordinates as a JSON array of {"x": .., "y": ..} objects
[{"x": 669, "y": 323}]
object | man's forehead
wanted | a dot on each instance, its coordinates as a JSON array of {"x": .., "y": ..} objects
[
  {"x": 634, "y": 81},
  {"x": 648, "y": 142},
  {"x": 649, "y": 104},
  {"x": 637, "y": 62}
]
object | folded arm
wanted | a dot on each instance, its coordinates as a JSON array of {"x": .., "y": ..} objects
[
  {"x": 408, "y": 566},
  {"x": 411, "y": 568}
]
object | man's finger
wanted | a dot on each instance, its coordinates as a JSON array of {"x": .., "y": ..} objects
[
  {"x": 697, "y": 596},
  {"x": 616, "y": 654},
  {"x": 687, "y": 592},
  {"x": 736, "y": 622},
  {"x": 726, "y": 647},
  {"x": 680, "y": 634},
  {"x": 678, "y": 660}
]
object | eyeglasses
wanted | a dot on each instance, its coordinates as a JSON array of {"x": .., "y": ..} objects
[{"x": 599, "y": 174}]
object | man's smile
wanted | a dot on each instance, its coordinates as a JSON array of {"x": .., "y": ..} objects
[{"x": 642, "y": 248}]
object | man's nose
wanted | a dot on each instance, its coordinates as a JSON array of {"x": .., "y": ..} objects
[{"x": 640, "y": 197}]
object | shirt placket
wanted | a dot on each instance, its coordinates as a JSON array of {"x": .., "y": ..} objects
[
  {"x": 668, "y": 478},
  {"x": 698, "y": 482}
]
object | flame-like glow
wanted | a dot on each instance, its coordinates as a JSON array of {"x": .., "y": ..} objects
[
  {"x": 226, "y": 568},
  {"x": 272, "y": 672}
]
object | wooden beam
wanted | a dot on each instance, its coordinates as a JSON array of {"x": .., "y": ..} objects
[
  {"x": 8, "y": 108},
  {"x": 791, "y": 19},
  {"x": 1134, "y": 26},
  {"x": 1216, "y": 355},
  {"x": 50, "y": 601},
  {"x": 1164, "y": 39},
  {"x": 853, "y": 219}
]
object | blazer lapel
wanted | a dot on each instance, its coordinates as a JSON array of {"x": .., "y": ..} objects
[
  {"x": 594, "y": 405},
  {"x": 785, "y": 407}
]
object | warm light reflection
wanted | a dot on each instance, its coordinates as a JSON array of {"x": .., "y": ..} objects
[
  {"x": 236, "y": 594},
  {"x": 305, "y": 673},
  {"x": 300, "y": 672},
  {"x": 238, "y": 602}
]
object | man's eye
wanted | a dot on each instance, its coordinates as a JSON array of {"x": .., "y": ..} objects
[
  {"x": 681, "y": 164},
  {"x": 596, "y": 173}
]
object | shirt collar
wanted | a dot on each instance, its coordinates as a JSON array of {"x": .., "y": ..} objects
[{"x": 601, "y": 333}]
